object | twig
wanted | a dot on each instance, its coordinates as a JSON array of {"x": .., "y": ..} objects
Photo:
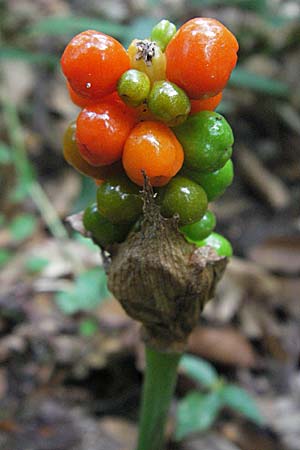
[{"x": 270, "y": 187}]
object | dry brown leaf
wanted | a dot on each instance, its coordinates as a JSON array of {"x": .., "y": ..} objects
[
  {"x": 121, "y": 431},
  {"x": 248, "y": 436},
  {"x": 270, "y": 187},
  {"x": 112, "y": 315},
  {"x": 279, "y": 254},
  {"x": 210, "y": 441},
  {"x": 63, "y": 191},
  {"x": 223, "y": 345}
]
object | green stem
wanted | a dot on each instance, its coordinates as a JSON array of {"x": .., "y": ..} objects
[{"x": 159, "y": 384}]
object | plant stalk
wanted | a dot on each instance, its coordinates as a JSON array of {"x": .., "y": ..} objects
[{"x": 159, "y": 385}]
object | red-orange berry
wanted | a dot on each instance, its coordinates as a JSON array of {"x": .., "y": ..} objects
[
  {"x": 93, "y": 62},
  {"x": 206, "y": 104},
  {"x": 102, "y": 130},
  {"x": 77, "y": 99},
  {"x": 153, "y": 148},
  {"x": 201, "y": 56}
]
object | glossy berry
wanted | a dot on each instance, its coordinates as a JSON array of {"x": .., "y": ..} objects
[
  {"x": 77, "y": 99},
  {"x": 153, "y": 148},
  {"x": 103, "y": 232},
  {"x": 206, "y": 104},
  {"x": 73, "y": 157},
  {"x": 221, "y": 245},
  {"x": 169, "y": 103},
  {"x": 185, "y": 198},
  {"x": 93, "y": 62},
  {"x": 102, "y": 130},
  {"x": 119, "y": 200},
  {"x": 201, "y": 229},
  {"x": 162, "y": 33},
  {"x": 207, "y": 141},
  {"x": 134, "y": 87},
  {"x": 214, "y": 183},
  {"x": 147, "y": 57},
  {"x": 201, "y": 57}
]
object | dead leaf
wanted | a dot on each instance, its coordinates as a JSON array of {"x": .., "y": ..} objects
[
  {"x": 76, "y": 222},
  {"x": 224, "y": 345},
  {"x": 63, "y": 191},
  {"x": 112, "y": 315},
  {"x": 210, "y": 441},
  {"x": 248, "y": 436},
  {"x": 279, "y": 254},
  {"x": 119, "y": 430}
]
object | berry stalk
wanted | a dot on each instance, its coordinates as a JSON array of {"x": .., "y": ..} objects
[{"x": 159, "y": 385}]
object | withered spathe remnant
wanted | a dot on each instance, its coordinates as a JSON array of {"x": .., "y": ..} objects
[{"x": 162, "y": 280}]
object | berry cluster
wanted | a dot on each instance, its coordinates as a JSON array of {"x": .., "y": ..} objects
[{"x": 150, "y": 110}]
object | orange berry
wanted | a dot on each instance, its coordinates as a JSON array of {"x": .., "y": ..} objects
[
  {"x": 206, "y": 104},
  {"x": 77, "y": 99},
  {"x": 201, "y": 57},
  {"x": 93, "y": 63},
  {"x": 73, "y": 157},
  {"x": 102, "y": 130},
  {"x": 153, "y": 148}
]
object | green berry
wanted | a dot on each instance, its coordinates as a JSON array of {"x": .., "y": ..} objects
[
  {"x": 185, "y": 198},
  {"x": 169, "y": 103},
  {"x": 207, "y": 141},
  {"x": 102, "y": 230},
  {"x": 218, "y": 242},
  {"x": 201, "y": 229},
  {"x": 134, "y": 87},
  {"x": 214, "y": 183},
  {"x": 162, "y": 33},
  {"x": 119, "y": 200}
]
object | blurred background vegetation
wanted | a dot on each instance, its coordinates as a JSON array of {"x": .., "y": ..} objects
[{"x": 70, "y": 360}]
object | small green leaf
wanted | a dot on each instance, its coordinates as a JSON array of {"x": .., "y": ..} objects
[
  {"x": 68, "y": 302},
  {"x": 199, "y": 370},
  {"x": 20, "y": 191},
  {"x": 88, "y": 327},
  {"x": 243, "y": 78},
  {"x": 36, "y": 264},
  {"x": 91, "y": 286},
  {"x": 89, "y": 290},
  {"x": 23, "y": 226},
  {"x": 5, "y": 256},
  {"x": 56, "y": 25},
  {"x": 87, "y": 194},
  {"x": 196, "y": 412},
  {"x": 85, "y": 241},
  {"x": 239, "y": 400},
  {"x": 5, "y": 154}
]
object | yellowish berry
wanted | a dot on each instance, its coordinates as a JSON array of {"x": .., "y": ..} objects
[{"x": 146, "y": 56}]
